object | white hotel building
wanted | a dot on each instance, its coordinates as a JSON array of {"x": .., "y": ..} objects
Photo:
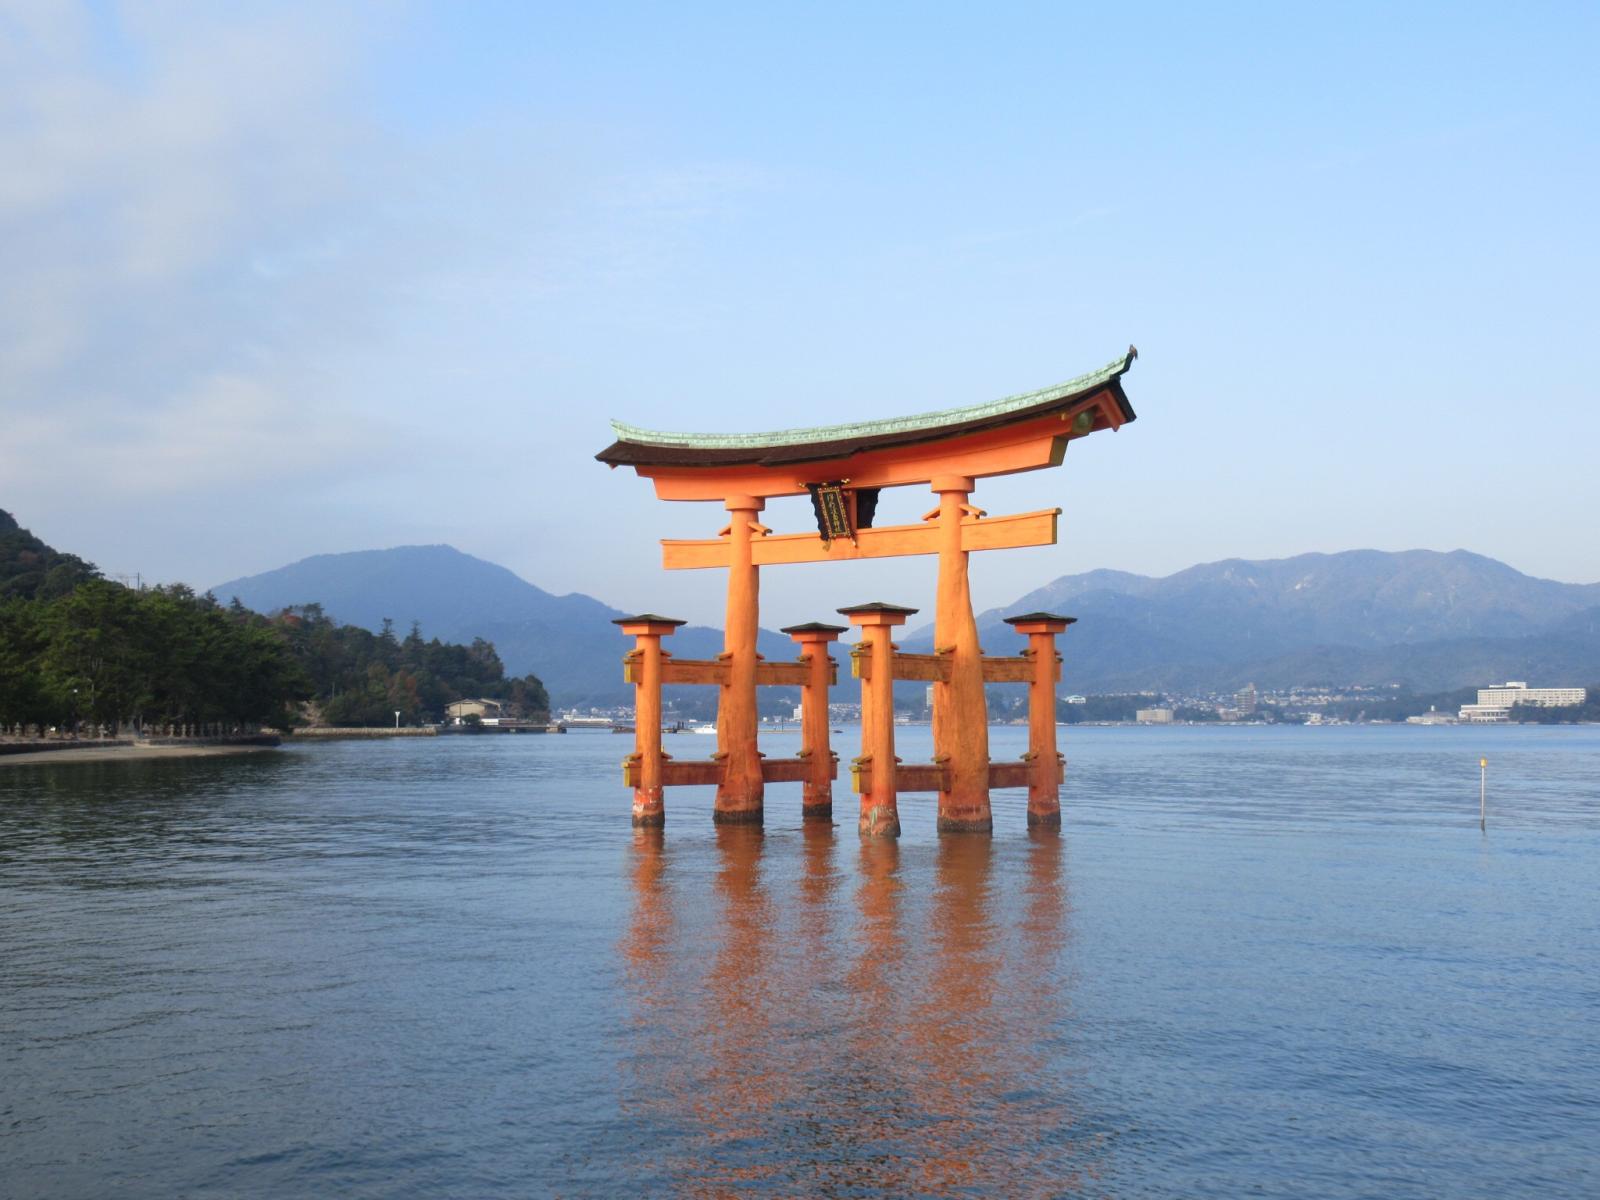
[{"x": 1495, "y": 703}]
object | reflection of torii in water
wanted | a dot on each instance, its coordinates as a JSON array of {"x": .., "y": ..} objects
[{"x": 843, "y": 467}]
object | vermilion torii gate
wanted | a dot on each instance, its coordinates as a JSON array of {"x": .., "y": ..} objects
[{"x": 843, "y": 468}]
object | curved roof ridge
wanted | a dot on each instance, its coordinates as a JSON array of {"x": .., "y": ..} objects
[{"x": 892, "y": 425}]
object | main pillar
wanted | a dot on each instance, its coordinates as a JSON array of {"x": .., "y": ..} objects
[
  {"x": 1044, "y": 760},
  {"x": 814, "y": 637},
  {"x": 960, "y": 712},
  {"x": 880, "y": 811},
  {"x": 642, "y": 668},
  {"x": 739, "y": 795}
]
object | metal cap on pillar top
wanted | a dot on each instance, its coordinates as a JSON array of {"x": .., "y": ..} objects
[
  {"x": 843, "y": 468},
  {"x": 887, "y": 612},
  {"x": 627, "y": 623},
  {"x": 1020, "y": 622}
]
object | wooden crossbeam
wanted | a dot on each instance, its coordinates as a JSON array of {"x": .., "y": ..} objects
[
  {"x": 1014, "y": 670},
  {"x": 1009, "y": 774},
  {"x": 693, "y": 670},
  {"x": 714, "y": 671},
  {"x": 788, "y": 770},
  {"x": 935, "y": 668},
  {"x": 702, "y": 772},
  {"x": 889, "y": 541},
  {"x": 924, "y": 668},
  {"x": 908, "y": 777},
  {"x": 791, "y": 674},
  {"x": 935, "y": 777},
  {"x": 708, "y": 772}
]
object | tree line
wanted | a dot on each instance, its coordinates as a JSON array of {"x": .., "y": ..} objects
[
  {"x": 106, "y": 655},
  {"x": 79, "y": 650},
  {"x": 357, "y": 677}
]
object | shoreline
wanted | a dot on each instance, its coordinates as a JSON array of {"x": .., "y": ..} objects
[{"x": 112, "y": 751}]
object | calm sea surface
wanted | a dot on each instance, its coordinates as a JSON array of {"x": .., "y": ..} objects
[{"x": 1255, "y": 962}]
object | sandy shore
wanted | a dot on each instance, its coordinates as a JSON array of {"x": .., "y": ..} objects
[{"x": 123, "y": 752}]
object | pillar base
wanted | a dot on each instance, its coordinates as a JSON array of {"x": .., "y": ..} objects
[
  {"x": 966, "y": 824},
  {"x": 873, "y": 827},
  {"x": 817, "y": 812},
  {"x": 1044, "y": 820},
  {"x": 649, "y": 820},
  {"x": 737, "y": 816}
]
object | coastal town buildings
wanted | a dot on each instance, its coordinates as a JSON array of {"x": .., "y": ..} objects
[{"x": 1495, "y": 703}]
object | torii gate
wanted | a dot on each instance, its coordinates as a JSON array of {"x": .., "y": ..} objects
[{"x": 843, "y": 467}]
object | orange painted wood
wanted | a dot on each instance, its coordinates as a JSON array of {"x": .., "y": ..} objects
[
  {"x": 1044, "y": 783},
  {"x": 739, "y": 791},
  {"x": 786, "y": 770},
  {"x": 1010, "y": 774},
  {"x": 691, "y": 774},
  {"x": 822, "y": 764},
  {"x": 923, "y": 668},
  {"x": 880, "y": 813},
  {"x": 908, "y": 777},
  {"x": 1008, "y": 670},
  {"x": 1026, "y": 446},
  {"x": 960, "y": 709},
  {"x": 889, "y": 541},
  {"x": 645, "y": 665},
  {"x": 711, "y": 671},
  {"x": 694, "y": 670},
  {"x": 784, "y": 674}
]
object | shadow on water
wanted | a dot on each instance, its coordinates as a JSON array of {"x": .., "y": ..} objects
[{"x": 826, "y": 1019}]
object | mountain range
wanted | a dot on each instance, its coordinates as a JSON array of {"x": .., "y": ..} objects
[
  {"x": 568, "y": 641},
  {"x": 1429, "y": 620}
]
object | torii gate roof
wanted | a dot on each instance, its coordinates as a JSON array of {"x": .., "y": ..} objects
[{"x": 652, "y": 448}]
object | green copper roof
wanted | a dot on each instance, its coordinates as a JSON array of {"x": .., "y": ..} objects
[{"x": 856, "y": 430}]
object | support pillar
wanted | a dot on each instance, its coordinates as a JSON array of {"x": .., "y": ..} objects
[
  {"x": 642, "y": 668},
  {"x": 880, "y": 812},
  {"x": 960, "y": 712},
  {"x": 739, "y": 795},
  {"x": 1044, "y": 760},
  {"x": 814, "y": 638}
]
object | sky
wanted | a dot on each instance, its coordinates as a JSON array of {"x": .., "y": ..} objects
[{"x": 284, "y": 280}]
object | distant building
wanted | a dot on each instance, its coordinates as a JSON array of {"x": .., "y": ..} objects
[
  {"x": 1495, "y": 703},
  {"x": 1432, "y": 717},
  {"x": 1245, "y": 698},
  {"x": 1153, "y": 716},
  {"x": 488, "y": 711}
]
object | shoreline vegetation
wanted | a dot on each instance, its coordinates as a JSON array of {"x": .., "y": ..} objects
[{"x": 84, "y": 655}]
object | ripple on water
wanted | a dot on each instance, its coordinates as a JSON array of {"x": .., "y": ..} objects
[{"x": 1265, "y": 962}]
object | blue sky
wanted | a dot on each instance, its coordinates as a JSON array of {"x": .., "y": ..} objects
[{"x": 286, "y": 280}]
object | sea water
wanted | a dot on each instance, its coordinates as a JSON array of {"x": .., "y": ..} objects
[{"x": 1254, "y": 962}]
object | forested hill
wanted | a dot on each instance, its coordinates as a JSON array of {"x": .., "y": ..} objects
[
  {"x": 33, "y": 570},
  {"x": 78, "y": 650}
]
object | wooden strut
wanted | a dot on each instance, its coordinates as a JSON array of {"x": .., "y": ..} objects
[
  {"x": 649, "y": 769},
  {"x": 877, "y": 775},
  {"x": 888, "y": 541},
  {"x": 878, "y": 665},
  {"x": 948, "y": 451}
]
